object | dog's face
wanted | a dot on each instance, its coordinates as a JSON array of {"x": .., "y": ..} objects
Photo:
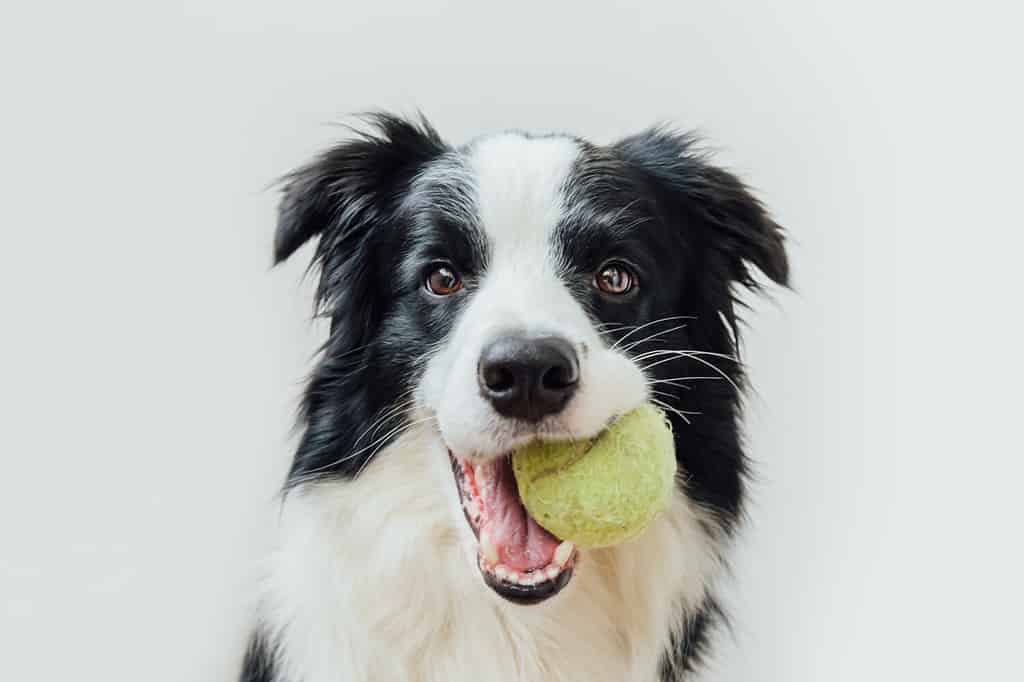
[{"x": 520, "y": 288}]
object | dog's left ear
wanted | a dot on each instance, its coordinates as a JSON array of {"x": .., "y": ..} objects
[{"x": 735, "y": 225}]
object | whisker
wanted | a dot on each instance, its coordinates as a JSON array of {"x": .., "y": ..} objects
[
  {"x": 356, "y": 453},
  {"x": 382, "y": 439},
  {"x": 664, "y": 394},
  {"x": 648, "y": 324},
  {"x": 387, "y": 416},
  {"x": 381, "y": 446},
  {"x": 680, "y": 381},
  {"x": 630, "y": 346},
  {"x": 380, "y": 443},
  {"x": 670, "y": 396},
  {"x": 617, "y": 330},
  {"x": 666, "y": 351},
  {"x": 607, "y": 327},
  {"x": 697, "y": 359},
  {"x": 669, "y": 408}
]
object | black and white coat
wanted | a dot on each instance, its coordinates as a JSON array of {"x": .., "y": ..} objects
[{"x": 376, "y": 576}]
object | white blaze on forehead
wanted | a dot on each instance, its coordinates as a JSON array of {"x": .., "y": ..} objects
[
  {"x": 519, "y": 188},
  {"x": 519, "y": 195}
]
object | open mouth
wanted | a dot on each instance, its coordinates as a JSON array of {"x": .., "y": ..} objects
[{"x": 518, "y": 558}]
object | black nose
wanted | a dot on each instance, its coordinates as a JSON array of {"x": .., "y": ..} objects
[{"x": 528, "y": 378}]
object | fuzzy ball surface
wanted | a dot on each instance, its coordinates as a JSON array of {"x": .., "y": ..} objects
[{"x": 603, "y": 491}]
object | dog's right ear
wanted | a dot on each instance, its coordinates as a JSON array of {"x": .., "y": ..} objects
[{"x": 347, "y": 190}]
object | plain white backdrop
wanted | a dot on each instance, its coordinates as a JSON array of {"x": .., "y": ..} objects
[{"x": 151, "y": 360}]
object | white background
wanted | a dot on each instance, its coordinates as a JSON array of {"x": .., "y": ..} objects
[{"x": 151, "y": 359}]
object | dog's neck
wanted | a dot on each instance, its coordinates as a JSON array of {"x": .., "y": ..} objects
[{"x": 374, "y": 579}]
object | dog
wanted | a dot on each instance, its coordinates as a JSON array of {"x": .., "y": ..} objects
[{"x": 481, "y": 296}]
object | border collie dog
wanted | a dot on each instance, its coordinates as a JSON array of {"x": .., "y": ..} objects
[{"x": 481, "y": 296}]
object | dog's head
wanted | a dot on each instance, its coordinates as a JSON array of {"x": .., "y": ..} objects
[{"x": 524, "y": 287}]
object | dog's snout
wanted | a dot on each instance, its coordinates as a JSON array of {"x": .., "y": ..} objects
[{"x": 528, "y": 378}]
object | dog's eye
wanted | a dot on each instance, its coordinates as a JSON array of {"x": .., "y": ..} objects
[
  {"x": 615, "y": 279},
  {"x": 443, "y": 281}
]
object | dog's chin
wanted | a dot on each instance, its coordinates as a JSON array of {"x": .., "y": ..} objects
[{"x": 518, "y": 559}]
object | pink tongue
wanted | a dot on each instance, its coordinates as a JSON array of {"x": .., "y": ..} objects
[{"x": 522, "y": 544}]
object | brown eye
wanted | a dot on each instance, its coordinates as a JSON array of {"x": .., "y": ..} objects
[
  {"x": 615, "y": 279},
  {"x": 443, "y": 281}
]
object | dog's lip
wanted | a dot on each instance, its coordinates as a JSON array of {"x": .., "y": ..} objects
[
  {"x": 528, "y": 594},
  {"x": 529, "y": 587}
]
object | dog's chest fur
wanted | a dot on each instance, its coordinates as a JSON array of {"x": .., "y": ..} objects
[{"x": 374, "y": 580}]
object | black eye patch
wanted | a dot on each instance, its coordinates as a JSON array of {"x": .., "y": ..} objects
[
  {"x": 612, "y": 219},
  {"x": 591, "y": 236},
  {"x": 435, "y": 238}
]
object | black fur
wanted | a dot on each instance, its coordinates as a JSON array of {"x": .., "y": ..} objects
[
  {"x": 258, "y": 664},
  {"x": 351, "y": 198},
  {"x": 689, "y": 643},
  {"x": 691, "y": 230}
]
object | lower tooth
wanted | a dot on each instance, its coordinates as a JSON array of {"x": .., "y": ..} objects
[
  {"x": 563, "y": 552},
  {"x": 513, "y": 577},
  {"x": 501, "y": 571},
  {"x": 552, "y": 572}
]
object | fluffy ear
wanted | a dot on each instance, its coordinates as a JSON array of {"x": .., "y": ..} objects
[
  {"x": 736, "y": 225},
  {"x": 350, "y": 189}
]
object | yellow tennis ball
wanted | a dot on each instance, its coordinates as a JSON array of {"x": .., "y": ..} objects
[{"x": 603, "y": 491}]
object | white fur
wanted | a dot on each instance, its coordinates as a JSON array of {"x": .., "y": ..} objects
[
  {"x": 376, "y": 578},
  {"x": 372, "y": 582}
]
